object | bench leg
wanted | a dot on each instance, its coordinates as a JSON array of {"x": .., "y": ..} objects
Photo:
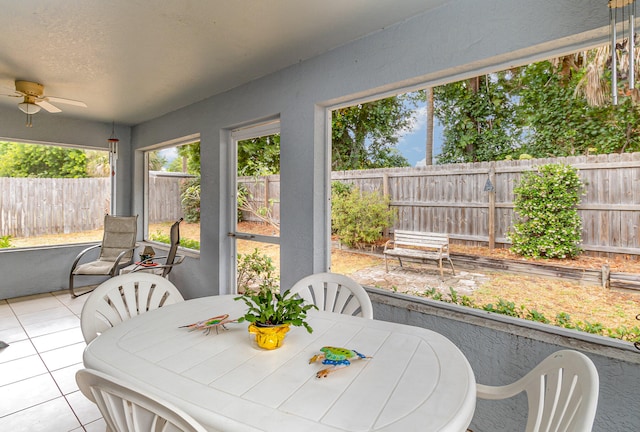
[
  {"x": 400, "y": 261},
  {"x": 441, "y": 270},
  {"x": 386, "y": 264},
  {"x": 452, "y": 269}
]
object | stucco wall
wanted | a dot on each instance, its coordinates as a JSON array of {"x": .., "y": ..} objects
[
  {"x": 459, "y": 39},
  {"x": 501, "y": 349}
]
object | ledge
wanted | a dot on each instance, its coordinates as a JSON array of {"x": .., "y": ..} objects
[{"x": 568, "y": 338}]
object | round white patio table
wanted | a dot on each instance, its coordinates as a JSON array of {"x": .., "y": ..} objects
[{"x": 416, "y": 380}]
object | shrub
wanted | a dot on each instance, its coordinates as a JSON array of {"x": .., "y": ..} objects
[
  {"x": 5, "y": 242},
  {"x": 340, "y": 189},
  {"x": 256, "y": 273},
  {"x": 190, "y": 200},
  {"x": 358, "y": 218},
  {"x": 546, "y": 202},
  {"x": 184, "y": 242}
]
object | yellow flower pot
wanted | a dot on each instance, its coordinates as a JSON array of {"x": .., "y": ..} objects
[{"x": 270, "y": 337}]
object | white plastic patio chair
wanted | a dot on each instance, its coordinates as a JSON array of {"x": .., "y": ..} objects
[
  {"x": 116, "y": 251},
  {"x": 124, "y": 297},
  {"x": 335, "y": 293},
  {"x": 562, "y": 393},
  {"x": 129, "y": 409}
]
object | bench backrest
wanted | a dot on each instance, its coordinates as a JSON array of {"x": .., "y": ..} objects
[{"x": 420, "y": 239}]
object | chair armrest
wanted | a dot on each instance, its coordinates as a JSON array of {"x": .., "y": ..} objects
[
  {"x": 498, "y": 392},
  {"x": 119, "y": 258},
  {"x": 388, "y": 243},
  {"x": 81, "y": 254},
  {"x": 138, "y": 267}
]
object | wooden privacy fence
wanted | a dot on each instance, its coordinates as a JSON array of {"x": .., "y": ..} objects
[
  {"x": 32, "y": 207},
  {"x": 36, "y": 206},
  {"x": 164, "y": 196},
  {"x": 473, "y": 202},
  {"x": 262, "y": 192}
]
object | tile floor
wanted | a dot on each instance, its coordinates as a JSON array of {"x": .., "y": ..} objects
[{"x": 38, "y": 391}]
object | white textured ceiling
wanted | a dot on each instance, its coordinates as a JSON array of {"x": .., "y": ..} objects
[{"x": 133, "y": 60}]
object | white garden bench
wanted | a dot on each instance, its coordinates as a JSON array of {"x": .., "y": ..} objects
[{"x": 418, "y": 245}]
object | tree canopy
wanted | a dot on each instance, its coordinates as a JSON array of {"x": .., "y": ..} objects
[
  {"x": 44, "y": 161},
  {"x": 259, "y": 156},
  {"x": 365, "y": 135},
  {"x": 552, "y": 108}
]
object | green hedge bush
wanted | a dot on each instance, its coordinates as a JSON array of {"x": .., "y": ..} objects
[
  {"x": 546, "y": 203},
  {"x": 358, "y": 218}
]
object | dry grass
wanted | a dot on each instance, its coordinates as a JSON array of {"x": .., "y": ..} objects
[
  {"x": 586, "y": 304},
  {"x": 547, "y": 296}
]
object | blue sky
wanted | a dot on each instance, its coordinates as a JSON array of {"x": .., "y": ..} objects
[{"x": 412, "y": 140}]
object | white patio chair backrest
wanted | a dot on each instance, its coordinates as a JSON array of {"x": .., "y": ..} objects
[
  {"x": 562, "y": 393},
  {"x": 127, "y": 409},
  {"x": 334, "y": 293},
  {"x": 123, "y": 297}
]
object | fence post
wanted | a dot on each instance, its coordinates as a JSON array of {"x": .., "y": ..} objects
[
  {"x": 266, "y": 192},
  {"x": 385, "y": 194},
  {"x": 492, "y": 206}
]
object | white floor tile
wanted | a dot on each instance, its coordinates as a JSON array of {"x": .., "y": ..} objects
[
  {"x": 20, "y": 369},
  {"x": 65, "y": 298},
  {"x": 52, "y": 326},
  {"x": 58, "y": 339},
  {"x": 9, "y": 321},
  {"x": 13, "y": 334},
  {"x": 45, "y": 315},
  {"x": 63, "y": 357},
  {"x": 51, "y": 416},
  {"x": 85, "y": 410},
  {"x": 66, "y": 378},
  {"x": 33, "y": 303},
  {"x": 27, "y": 393},
  {"x": 96, "y": 426},
  {"x": 17, "y": 350},
  {"x": 35, "y": 373},
  {"x": 5, "y": 309}
]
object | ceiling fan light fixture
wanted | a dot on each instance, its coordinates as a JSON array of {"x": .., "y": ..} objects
[{"x": 29, "y": 108}]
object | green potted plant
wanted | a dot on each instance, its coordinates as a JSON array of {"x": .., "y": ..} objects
[{"x": 270, "y": 313}]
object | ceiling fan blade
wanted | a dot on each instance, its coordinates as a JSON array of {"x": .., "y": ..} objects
[
  {"x": 46, "y": 105},
  {"x": 65, "y": 101},
  {"x": 12, "y": 95}
]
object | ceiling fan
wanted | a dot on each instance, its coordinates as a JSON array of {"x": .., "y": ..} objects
[{"x": 34, "y": 99}]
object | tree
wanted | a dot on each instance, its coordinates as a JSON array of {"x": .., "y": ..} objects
[
  {"x": 97, "y": 163},
  {"x": 191, "y": 152},
  {"x": 428, "y": 160},
  {"x": 43, "y": 161},
  {"x": 156, "y": 161},
  {"x": 553, "y": 108},
  {"x": 364, "y": 136},
  {"x": 259, "y": 156},
  {"x": 560, "y": 119},
  {"x": 479, "y": 118}
]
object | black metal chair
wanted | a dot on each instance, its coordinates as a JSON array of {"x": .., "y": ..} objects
[{"x": 163, "y": 268}]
